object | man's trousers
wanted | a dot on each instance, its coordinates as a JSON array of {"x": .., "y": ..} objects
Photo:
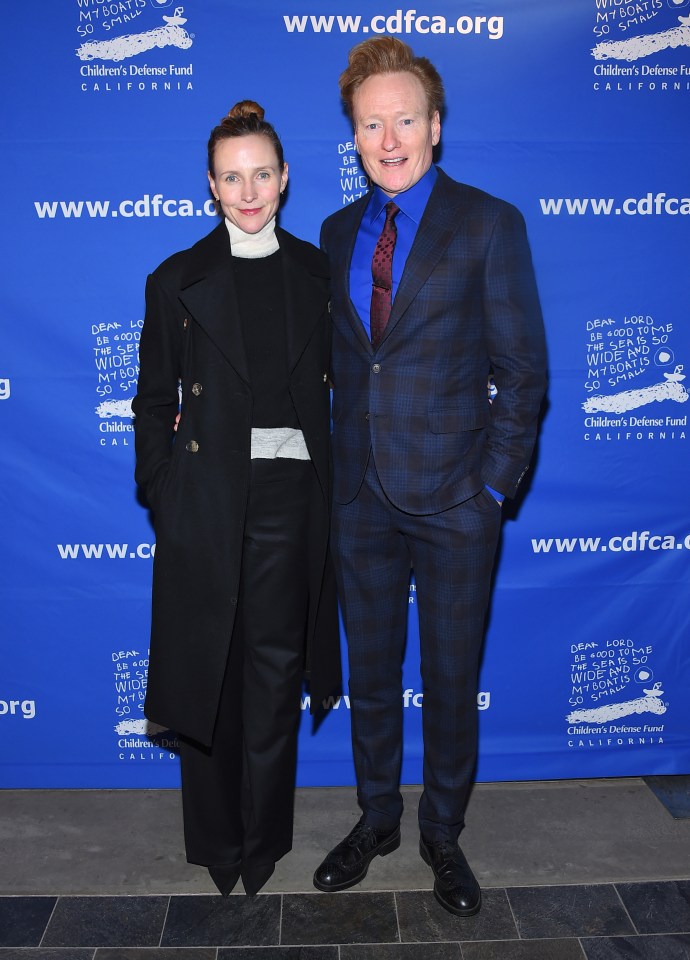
[{"x": 375, "y": 546}]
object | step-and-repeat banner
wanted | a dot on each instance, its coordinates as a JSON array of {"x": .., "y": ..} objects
[{"x": 577, "y": 111}]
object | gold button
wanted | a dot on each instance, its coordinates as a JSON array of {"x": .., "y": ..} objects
[
  {"x": 196, "y": 389},
  {"x": 192, "y": 446}
]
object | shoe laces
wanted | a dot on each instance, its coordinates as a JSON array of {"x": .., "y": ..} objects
[
  {"x": 363, "y": 831},
  {"x": 444, "y": 847}
]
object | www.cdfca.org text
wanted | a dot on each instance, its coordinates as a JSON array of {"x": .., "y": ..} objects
[{"x": 634, "y": 542}]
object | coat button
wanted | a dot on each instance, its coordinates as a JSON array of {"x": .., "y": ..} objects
[
  {"x": 367, "y": 416},
  {"x": 192, "y": 446},
  {"x": 325, "y": 378},
  {"x": 196, "y": 389},
  {"x": 185, "y": 323},
  {"x": 376, "y": 368}
]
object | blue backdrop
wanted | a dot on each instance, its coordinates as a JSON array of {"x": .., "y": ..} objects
[{"x": 577, "y": 112}]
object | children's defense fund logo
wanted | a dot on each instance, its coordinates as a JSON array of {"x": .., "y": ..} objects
[
  {"x": 634, "y": 382},
  {"x": 637, "y": 36},
  {"x": 137, "y": 738},
  {"x": 115, "y": 349},
  {"x": 616, "y": 701},
  {"x": 106, "y": 27}
]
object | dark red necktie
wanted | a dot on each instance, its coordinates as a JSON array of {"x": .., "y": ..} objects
[{"x": 382, "y": 275}]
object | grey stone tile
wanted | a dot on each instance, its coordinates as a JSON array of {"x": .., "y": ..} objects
[
  {"x": 402, "y": 951},
  {"x": 47, "y": 953},
  {"x": 652, "y": 947},
  {"x": 421, "y": 919},
  {"x": 222, "y": 922},
  {"x": 23, "y": 920},
  {"x": 568, "y": 911},
  {"x": 339, "y": 918},
  {"x": 156, "y": 953},
  {"x": 106, "y": 922},
  {"x": 557, "y": 949},
  {"x": 280, "y": 953},
  {"x": 658, "y": 907}
]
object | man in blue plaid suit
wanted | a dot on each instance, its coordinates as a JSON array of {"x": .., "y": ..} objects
[{"x": 422, "y": 458}]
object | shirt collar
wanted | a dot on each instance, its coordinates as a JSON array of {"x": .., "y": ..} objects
[{"x": 412, "y": 202}]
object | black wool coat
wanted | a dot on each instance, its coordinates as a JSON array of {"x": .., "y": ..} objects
[{"x": 196, "y": 480}]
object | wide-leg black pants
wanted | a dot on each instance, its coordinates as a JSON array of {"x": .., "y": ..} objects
[{"x": 238, "y": 796}]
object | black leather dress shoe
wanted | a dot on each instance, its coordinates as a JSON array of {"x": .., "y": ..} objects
[
  {"x": 348, "y": 863},
  {"x": 455, "y": 886}
]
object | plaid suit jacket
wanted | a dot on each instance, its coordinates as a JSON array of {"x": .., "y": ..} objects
[{"x": 466, "y": 307}]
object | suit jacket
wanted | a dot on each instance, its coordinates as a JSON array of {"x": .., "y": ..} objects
[
  {"x": 466, "y": 307},
  {"x": 197, "y": 480}
]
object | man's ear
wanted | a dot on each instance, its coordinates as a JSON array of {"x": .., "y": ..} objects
[{"x": 435, "y": 128}]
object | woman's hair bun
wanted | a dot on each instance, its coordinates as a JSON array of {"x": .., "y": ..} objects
[
  {"x": 246, "y": 119},
  {"x": 246, "y": 109}
]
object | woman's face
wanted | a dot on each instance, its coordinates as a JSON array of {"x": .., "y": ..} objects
[{"x": 247, "y": 181}]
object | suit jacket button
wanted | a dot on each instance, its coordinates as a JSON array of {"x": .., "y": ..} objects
[
  {"x": 196, "y": 389},
  {"x": 192, "y": 446},
  {"x": 376, "y": 368},
  {"x": 185, "y": 323},
  {"x": 367, "y": 416}
]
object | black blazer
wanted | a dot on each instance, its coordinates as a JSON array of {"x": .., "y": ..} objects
[{"x": 196, "y": 480}]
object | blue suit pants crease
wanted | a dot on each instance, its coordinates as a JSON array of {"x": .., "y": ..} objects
[
  {"x": 238, "y": 796},
  {"x": 452, "y": 555}
]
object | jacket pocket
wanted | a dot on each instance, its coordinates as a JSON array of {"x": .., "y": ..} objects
[{"x": 457, "y": 419}]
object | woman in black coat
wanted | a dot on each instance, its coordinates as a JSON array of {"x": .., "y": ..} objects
[{"x": 243, "y": 593}]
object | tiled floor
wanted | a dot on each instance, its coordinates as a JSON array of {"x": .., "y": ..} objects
[
  {"x": 595, "y": 921},
  {"x": 600, "y": 871}
]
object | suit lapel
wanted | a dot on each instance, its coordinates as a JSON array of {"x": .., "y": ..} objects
[
  {"x": 440, "y": 223},
  {"x": 208, "y": 293},
  {"x": 342, "y": 254}
]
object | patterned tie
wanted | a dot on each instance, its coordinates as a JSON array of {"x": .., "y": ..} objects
[{"x": 382, "y": 275}]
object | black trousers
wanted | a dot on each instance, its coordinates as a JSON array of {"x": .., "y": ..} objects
[{"x": 238, "y": 796}]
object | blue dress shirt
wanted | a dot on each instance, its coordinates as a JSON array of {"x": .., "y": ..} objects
[{"x": 412, "y": 205}]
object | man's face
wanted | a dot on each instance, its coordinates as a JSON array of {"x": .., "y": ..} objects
[{"x": 393, "y": 133}]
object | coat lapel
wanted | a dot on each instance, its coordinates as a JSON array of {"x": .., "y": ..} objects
[
  {"x": 208, "y": 293},
  {"x": 305, "y": 281}
]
